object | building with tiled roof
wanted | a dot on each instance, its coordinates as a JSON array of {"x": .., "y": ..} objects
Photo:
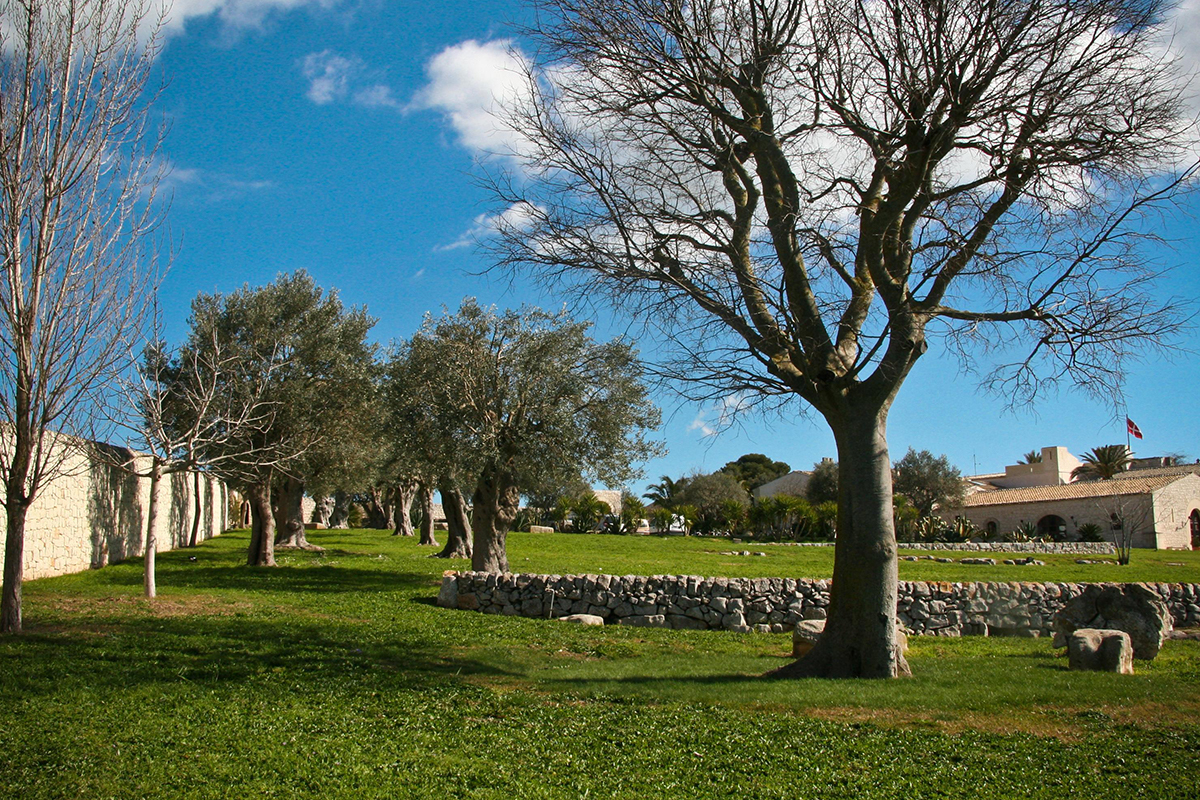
[{"x": 1162, "y": 503}]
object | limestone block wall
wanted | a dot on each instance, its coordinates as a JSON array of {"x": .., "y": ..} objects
[
  {"x": 1173, "y": 505},
  {"x": 774, "y": 605},
  {"x": 1009, "y": 516},
  {"x": 95, "y": 514}
]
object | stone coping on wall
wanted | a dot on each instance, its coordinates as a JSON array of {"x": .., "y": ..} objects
[
  {"x": 775, "y": 605},
  {"x": 1045, "y": 548}
]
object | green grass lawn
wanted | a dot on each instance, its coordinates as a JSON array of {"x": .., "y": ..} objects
[{"x": 336, "y": 676}]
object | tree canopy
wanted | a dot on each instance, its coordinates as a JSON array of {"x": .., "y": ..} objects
[
  {"x": 1102, "y": 463},
  {"x": 523, "y": 400},
  {"x": 927, "y": 481},
  {"x": 755, "y": 469}
]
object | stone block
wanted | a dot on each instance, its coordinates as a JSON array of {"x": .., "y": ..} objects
[
  {"x": 583, "y": 619},
  {"x": 646, "y": 621},
  {"x": 1104, "y": 650}
]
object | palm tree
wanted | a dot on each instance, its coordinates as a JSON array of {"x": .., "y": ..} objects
[
  {"x": 1032, "y": 457},
  {"x": 1102, "y": 463},
  {"x": 666, "y": 493}
]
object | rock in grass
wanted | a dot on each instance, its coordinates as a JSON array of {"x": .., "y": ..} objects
[
  {"x": 991, "y": 562},
  {"x": 806, "y": 633},
  {"x": 584, "y": 619},
  {"x": 1128, "y": 607},
  {"x": 1101, "y": 650}
]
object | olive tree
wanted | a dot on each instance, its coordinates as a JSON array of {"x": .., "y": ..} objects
[
  {"x": 320, "y": 367},
  {"x": 77, "y": 210},
  {"x": 801, "y": 194},
  {"x": 522, "y": 396},
  {"x": 927, "y": 481}
]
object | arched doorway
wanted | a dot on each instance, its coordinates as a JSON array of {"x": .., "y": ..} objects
[
  {"x": 1194, "y": 520},
  {"x": 1053, "y": 527}
]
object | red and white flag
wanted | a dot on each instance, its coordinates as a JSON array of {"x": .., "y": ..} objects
[{"x": 1133, "y": 429}]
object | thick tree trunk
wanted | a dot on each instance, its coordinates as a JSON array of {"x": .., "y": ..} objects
[
  {"x": 289, "y": 519},
  {"x": 151, "y": 551},
  {"x": 496, "y": 500},
  {"x": 322, "y": 509},
  {"x": 425, "y": 498},
  {"x": 402, "y": 499},
  {"x": 339, "y": 517},
  {"x": 196, "y": 489},
  {"x": 379, "y": 508},
  {"x": 262, "y": 526},
  {"x": 14, "y": 566},
  {"x": 458, "y": 541},
  {"x": 860, "y": 632}
]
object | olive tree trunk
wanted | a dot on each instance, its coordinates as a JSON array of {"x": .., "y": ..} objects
[
  {"x": 289, "y": 517},
  {"x": 425, "y": 500},
  {"x": 496, "y": 501},
  {"x": 322, "y": 509},
  {"x": 458, "y": 535},
  {"x": 402, "y": 500},
  {"x": 262, "y": 526},
  {"x": 860, "y": 639},
  {"x": 339, "y": 517}
]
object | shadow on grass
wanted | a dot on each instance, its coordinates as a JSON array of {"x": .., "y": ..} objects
[
  {"x": 308, "y": 579},
  {"x": 120, "y": 655}
]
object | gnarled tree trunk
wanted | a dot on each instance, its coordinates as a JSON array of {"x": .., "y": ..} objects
[
  {"x": 339, "y": 517},
  {"x": 860, "y": 632},
  {"x": 322, "y": 509},
  {"x": 496, "y": 500},
  {"x": 379, "y": 508},
  {"x": 402, "y": 499},
  {"x": 425, "y": 499},
  {"x": 262, "y": 526},
  {"x": 458, "y": 541},
  {"x": 289, "y": 517}
]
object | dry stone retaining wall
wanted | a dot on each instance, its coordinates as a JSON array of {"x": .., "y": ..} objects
[
  {"x": 95, "y": 514},
  {"x": 777, "y": 604}
]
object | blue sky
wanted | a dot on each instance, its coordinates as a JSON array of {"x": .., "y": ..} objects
[{"x": 337, "y": 137}]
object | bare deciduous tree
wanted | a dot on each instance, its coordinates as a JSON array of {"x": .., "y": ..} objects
[
  {"x": 802, "y": 193},
  {"x": 188, "y": 419},
  {"x": 77, "y": 181}
]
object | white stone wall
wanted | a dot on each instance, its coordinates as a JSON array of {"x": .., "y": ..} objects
[
  {"x": 1173, "y": 504},
  {"x": 1009, "y": 516},
  {"x": 95, "y": 514}
]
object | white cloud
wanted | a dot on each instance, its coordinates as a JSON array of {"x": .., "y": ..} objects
[
  {"x": 234, "y": 14},
  {"x": 377, "y": 96},
  {"x": 718, "y": 416},
  {"x": 517, "y": 217},
  {"x": 329, "y": 75},
  {"x": 470, "y": 82},
  {"x": 333, "y": 77}
]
